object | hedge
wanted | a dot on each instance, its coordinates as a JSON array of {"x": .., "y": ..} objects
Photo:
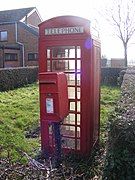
[
  {"x": 120, "y": 157},
  {"x": 17, "y": 77},
  {"x": 110, "y": 76}
]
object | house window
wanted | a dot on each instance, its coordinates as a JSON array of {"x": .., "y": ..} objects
[
  {"x": 11, "y": 57},
  {"x": 32, "y": 56},
  {"x": 3, "y": 35}
]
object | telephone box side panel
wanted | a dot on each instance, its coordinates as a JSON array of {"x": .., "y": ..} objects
[
  {"x": 89, "y": 72},
  {"x": 87, "y": 104},
  {"x": 96, "y": 67},
  {"x": 90, "y": 98}
]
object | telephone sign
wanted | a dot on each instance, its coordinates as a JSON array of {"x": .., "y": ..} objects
[{"x": 64, "y": 30}]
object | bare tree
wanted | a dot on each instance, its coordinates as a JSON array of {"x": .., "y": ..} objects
[{"x": 121, "y": 16}]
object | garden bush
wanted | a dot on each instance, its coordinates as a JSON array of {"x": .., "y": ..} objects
[
  {"x": 110, "y": 76},
  {"x": 17, "y": 77}
]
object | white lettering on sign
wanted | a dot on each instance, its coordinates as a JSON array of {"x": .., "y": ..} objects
[
  {"x": 49, "y": 105},
  {"x": 64, "y": 30}
]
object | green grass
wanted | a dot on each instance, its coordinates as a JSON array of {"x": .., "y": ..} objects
[
  {"x": 19, "y": 113},
  {"x": 108, "y": 103}
]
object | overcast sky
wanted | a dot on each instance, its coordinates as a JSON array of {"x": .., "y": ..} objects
[
  {"x": 51, "y": 8},
  {"x": 111, "y": 46}
]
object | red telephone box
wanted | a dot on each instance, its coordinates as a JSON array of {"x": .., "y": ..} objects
[{"x": 71, "y": 45}]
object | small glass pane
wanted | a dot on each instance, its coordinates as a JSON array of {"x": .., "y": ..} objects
[
  {"x": 78, "y": 80},
  {"x": 78, "y": 131},
  {"x": 3, "y": 35},
  {"x": 78, "y": 119},
  {"x": 48, "y": 66},
  {"x": 71, "y": 79},
  {"x": 50, "y": 129},
  {"x": 63, "y": 65},
  {"x": 78, "y": 93},
  {"x": 71, "y": 66},
  {"x": 78, "y": 144},
  {"x": 78, "y": 52},
  {"x": 58, "y": 65},
  {"x": 68, "y": 143},
  {"x": 48, "y": 53},
  {"x": 72, "y": 106},
  {"x": 78, "y": 106},
  {"x": 71, "y": 92},
  {"x": 63, "y": 52},
  {"x": 68, "y": 131},
  {"x": 78, "y": 65},
  {"x": 70, "y": 119}
]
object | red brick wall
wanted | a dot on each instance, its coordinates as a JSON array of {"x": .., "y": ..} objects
[
  {"x": 1, "y": 58},
  {"x": 10, "y": 28},
  {"x": 30, "y": 42},
  {"x": 25, "y": 37},
  {"x": 17, "y": 63},
  {"x": 11, "y": 33},
  {"x": 34, "y": 19}
]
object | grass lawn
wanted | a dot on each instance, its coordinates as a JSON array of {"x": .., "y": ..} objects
[
  {"x": 19, "y": 114},
  {"x": 108, "y": 102}
]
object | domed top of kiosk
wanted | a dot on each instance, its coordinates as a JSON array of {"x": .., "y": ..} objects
[
  {"x": 72, "y": 25},
  {"x": 65, "y": 20}
]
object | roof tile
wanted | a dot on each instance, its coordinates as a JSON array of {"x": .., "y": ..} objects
[{"x": 14, "y": 15}]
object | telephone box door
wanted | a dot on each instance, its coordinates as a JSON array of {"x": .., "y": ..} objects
[{"x": 66, "y": 57}]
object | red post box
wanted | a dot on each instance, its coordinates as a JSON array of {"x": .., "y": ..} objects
[{"x": 53, "y": 96}]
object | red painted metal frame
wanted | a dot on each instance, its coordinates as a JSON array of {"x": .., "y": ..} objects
[{"x": 90, "y": 78}]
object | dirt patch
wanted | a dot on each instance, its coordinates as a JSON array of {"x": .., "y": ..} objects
[{"x": 35, "y": 133}]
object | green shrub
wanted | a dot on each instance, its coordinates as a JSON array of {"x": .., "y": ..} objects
[
  {"x": 17, "y": 77},
  {"x": 109, "y": 75}
]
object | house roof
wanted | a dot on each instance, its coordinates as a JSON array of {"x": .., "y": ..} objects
[{"x": 15, "y": 14}]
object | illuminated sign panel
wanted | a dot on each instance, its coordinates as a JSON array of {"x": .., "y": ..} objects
[{"x": 64, "y": 30}]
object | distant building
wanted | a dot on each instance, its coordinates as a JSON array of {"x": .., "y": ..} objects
[
  {"x": 19, "y": 37},
  {"x": 117, "y": 62}
]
